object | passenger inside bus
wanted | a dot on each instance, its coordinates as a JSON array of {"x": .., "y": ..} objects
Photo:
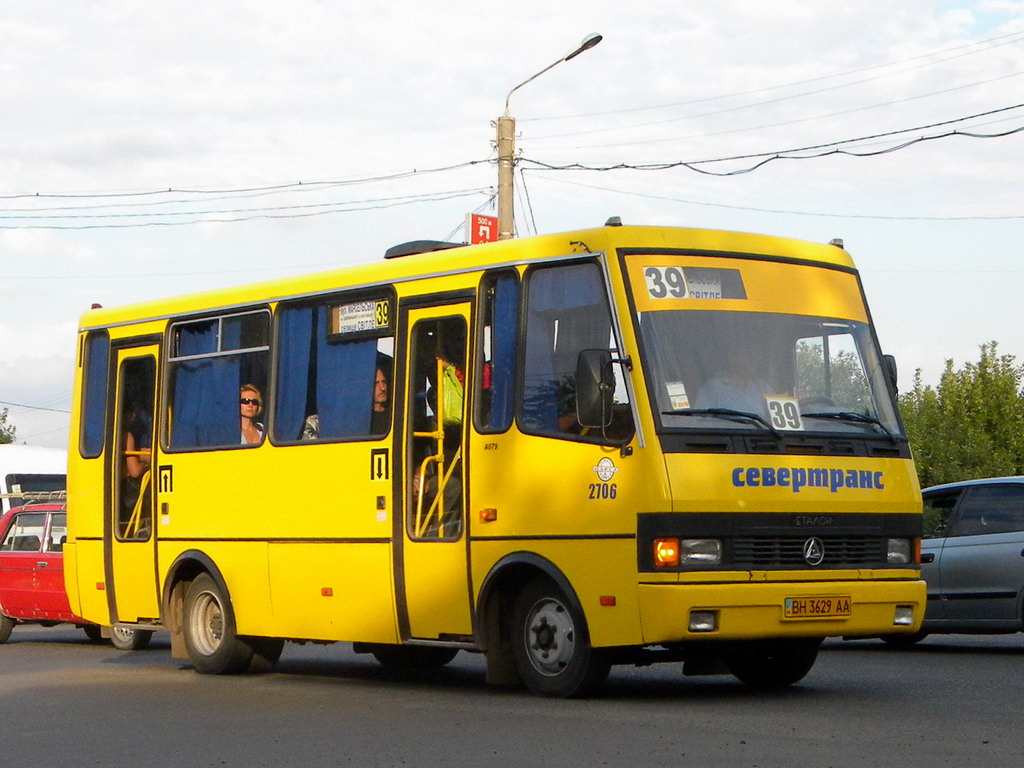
[
  {"x": 250, "y": 405},
  {"x": 380, "y": 416},
  {"x": 736, "y": 382},
  {"x": 438, "y": 380},
  {"x": 380, "y": 419},
  {"x": 138, "y": 453},
  {"x": 137, "y": 418}
]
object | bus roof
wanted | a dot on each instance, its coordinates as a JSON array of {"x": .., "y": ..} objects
[{"x": 470, "y": 258}]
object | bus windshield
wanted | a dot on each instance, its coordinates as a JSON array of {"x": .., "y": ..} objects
[{"x": 766, "y": 371}]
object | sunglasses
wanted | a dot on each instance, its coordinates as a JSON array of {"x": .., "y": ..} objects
[{"x": 249, "y": 401}]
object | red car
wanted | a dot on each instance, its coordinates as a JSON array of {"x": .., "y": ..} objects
[{"x": 32, "y": 575}]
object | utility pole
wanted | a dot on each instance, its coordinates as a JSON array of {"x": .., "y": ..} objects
[
  {"x": 506, "y": 171},
  {"x": 507, "y": 147}
]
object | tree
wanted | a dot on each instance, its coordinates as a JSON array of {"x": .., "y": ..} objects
[
  {"x": 6, "y": 432},
  {"x": 840, "y": 378},
  {"x": 970, "y": 425}
]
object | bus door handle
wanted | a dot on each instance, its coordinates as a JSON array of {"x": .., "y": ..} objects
[
  {"x": 42, "y": 564},
  {"x": 927, "y": 557}
]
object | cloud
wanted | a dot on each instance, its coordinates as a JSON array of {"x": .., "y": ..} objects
[
  {"x": 25, "y": 342},
  {"x": 43, "y": 244},
  {"x": 132, "y": 96}
]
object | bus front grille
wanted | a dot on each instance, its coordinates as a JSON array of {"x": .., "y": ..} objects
[{"x": 788, "y": 551}]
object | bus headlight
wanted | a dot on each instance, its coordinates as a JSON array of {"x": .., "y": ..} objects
[
  {"x": 899, "y": 551},
  {"x": 700, "y": 551},
  {"x": 673, "y": 552}
]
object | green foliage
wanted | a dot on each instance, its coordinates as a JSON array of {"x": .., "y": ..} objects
[
  {"x": 972, "y": 424},
  {"x": 842, "y": 380},
  {"x": 6, "y": 431}
]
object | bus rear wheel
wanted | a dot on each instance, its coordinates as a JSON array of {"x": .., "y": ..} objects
[
  {"x": 128, "y": 639},
  {"x": 772, "y": 663},
  {"x": 6, "y": 625},
  {"x": 209, "y": 627},
  {"x": 551, "y": 644}
]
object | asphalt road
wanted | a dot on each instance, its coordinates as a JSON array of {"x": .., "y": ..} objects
[{"x": 951, "y": 701}]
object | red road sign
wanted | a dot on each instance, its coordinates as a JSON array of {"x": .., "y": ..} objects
[{"x": 481, "y": 229}]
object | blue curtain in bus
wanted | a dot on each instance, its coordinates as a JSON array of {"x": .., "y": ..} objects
[
  {"x": 344, "y": 383},
  {"x": 295, "y": 328},
  {"x": 506, "y": 338},
  {"x": 206, "y": 390}
]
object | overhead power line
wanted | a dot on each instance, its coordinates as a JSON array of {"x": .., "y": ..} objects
[
  {"x": 998, "y": 41},
  {"x": 798, "y": 153},
  {"x": 293, "y": 186},
  {"x": 262, "y": 213},
  {"x": 743, "y": 129},
  {"x": 148, "y": 214},
  {"x": 740, "y": 107},
  {"x": 34, "y": 407},
  {"x": 755, "y": 209}
]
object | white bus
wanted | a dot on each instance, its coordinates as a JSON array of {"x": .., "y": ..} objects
[{"x": 30, "y": 469}]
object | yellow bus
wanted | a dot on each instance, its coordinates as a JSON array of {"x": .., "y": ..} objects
[{"x": 620, "y": 445}]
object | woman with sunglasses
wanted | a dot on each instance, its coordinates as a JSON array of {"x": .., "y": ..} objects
[{"x": 250, "y": 405}]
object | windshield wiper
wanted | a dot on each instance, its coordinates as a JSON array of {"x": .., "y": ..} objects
[
  {"x": 725, "y": 413},
  {"x": 851, "y": 416}
]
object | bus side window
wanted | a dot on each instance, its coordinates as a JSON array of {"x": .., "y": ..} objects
[
  {"x": 330, "y": 387},
  {"x": 94, "y": 392},
  {"x": 567, "y": 312},
  {"x": 496, "y": 371},
  {"x": 210, "y": 360}
]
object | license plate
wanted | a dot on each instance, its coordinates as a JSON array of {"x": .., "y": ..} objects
[{"x": 817, "y": 607}]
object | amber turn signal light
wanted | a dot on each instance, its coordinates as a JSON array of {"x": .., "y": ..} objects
[{"x": 666, "y": 553}]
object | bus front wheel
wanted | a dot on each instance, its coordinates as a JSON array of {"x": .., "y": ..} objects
[
  {"x": 551, "y": 644},
  {"x": 772, "y": 663},
  {"x": 209, "y": 627}
]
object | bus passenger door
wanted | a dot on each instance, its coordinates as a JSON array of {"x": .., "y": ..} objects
[
  {"x": 433, "y": 562},
  {"x": 129, "y": 537}
]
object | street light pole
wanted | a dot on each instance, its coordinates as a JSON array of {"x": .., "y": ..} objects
[{"x": 507, "y": 146}]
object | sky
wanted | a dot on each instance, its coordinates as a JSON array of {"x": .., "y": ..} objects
[{"x": 156, "y": 149}]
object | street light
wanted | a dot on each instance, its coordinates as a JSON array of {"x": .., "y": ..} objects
[{"x": 507, "y": 145}]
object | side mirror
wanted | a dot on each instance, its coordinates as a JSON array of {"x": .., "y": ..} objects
[
  {"x": 595, "y": 388},
  {"x": 889, "y": 366}
]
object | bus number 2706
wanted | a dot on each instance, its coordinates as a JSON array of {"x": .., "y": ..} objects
[{"x": 603, "y": 491}]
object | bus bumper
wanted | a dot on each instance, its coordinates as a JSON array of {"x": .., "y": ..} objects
[{"x": 672, "y": 613}]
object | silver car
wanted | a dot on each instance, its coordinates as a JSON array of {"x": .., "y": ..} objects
[{"x": 973, "y": 557}]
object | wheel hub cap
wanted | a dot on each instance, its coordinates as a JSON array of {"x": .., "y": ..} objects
[{"x": 550, "y": 637}]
